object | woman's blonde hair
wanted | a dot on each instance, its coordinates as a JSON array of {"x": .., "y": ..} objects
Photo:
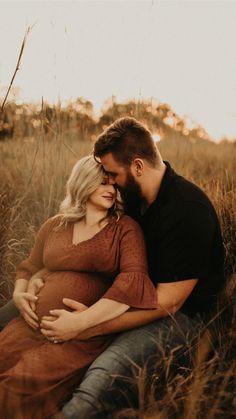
[{"x": 86, "y": 176}]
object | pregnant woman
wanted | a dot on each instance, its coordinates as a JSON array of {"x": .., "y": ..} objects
[{"x": 92, "y": 253}]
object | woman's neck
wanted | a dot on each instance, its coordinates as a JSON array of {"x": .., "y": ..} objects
[{"x": 94, "y": 216}]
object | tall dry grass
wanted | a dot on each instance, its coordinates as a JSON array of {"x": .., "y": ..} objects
[{"x": 33, "y": 173}]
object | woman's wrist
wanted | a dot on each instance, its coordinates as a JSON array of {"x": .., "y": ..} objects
[
  {"x": 79, "y": 323},
  {"x": 21, "y": 285},
  {"x": 98, "y": 313}
]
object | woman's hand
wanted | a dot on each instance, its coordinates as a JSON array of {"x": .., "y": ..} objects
[
  {"x": 34, "y": 287},
  {"x": 63, "y": 325},
  {"x": 23, "y": 302},
  {"x": 25, "y": 297}
]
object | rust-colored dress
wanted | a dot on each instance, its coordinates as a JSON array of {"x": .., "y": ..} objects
[{"x": 37, "y": 376}]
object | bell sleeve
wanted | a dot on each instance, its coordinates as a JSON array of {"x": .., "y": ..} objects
[
  {"x": 34, "y": 262},
  {"x": 132, "y": 285}
]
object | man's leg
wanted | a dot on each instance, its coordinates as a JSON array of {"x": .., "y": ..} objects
[
  {"x": 7, "y": 313},
  {"x": 115, "y": 377}
]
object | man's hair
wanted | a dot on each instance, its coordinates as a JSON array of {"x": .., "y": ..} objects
[{"x": 128, "y": 139}]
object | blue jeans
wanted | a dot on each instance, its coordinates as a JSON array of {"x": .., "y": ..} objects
[
  {"x": 135, "y": 360},
  {"x": 115, "y": 378}
]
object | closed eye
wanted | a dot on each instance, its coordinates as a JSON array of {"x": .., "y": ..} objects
[{"x": 112, "y": 174}]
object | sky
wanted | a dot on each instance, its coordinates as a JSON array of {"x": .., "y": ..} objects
[{"x": 180, "y": 52}]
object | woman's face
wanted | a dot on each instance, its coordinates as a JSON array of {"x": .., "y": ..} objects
[{"x": 104, "y": 196}]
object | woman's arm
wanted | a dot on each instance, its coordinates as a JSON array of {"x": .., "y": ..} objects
[
  {"x": 24, "y": 295},
  {"x": 67, "y": 325},
  {"x": 22, "y": 300},
  {"x": 34, "y": 262},
  {"x": 103, "y": 310},
  {"x": 170, "y": 296},
  {"x": 21, "y": 285}
]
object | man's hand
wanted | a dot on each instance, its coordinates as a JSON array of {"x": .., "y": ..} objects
[
  {"x": 22, "y": 301},
  {"x": 63, "y": 325}
]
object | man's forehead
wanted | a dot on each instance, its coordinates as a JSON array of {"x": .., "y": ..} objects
[
  {"x": 110, "y": 164},
  {"x": 106, "y": 177},
  {"x": 107, "y": 158}
]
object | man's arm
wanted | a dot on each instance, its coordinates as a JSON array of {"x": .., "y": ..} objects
[{"x": 170, "y": 298}]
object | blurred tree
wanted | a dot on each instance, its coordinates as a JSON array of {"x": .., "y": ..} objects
[{"x": 77, "y": 118}]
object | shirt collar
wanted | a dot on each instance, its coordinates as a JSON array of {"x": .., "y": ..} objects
[{"x": 167, "y": 180}]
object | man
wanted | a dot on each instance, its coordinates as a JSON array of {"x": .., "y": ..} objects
[{"x": 185, "y": 256}]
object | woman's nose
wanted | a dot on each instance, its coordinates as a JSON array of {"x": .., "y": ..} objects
[{"x": 111, "y": 187}]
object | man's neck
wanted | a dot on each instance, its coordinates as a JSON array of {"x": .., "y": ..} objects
[{"x": 151, "y": 185}]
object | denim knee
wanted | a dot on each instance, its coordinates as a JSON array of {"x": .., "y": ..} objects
[{"x": 111, "y": 383}]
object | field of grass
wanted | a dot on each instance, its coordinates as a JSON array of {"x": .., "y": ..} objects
[{"x": 33, "y": 173}]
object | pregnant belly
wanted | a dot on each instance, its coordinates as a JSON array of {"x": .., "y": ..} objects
[{"x": 82, "y": 287}]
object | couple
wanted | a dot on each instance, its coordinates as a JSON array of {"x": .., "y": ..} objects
[{"x": 95, "y": 256}]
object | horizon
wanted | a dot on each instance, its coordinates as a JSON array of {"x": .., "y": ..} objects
[{"x": 182, "y": 56}]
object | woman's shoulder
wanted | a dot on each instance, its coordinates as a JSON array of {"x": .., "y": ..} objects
[
  {"x": 129, "y": 229},
  {"x": 127, "y": 222},
  {"x": 52, "y": 222}
]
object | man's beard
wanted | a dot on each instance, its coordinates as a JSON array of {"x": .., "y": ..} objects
[{"x": 131, "y": 195}]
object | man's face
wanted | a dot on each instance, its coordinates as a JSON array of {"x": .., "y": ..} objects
[
  {"x": 121, "y": 176},
  {"x": 117, "y": 173}
]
